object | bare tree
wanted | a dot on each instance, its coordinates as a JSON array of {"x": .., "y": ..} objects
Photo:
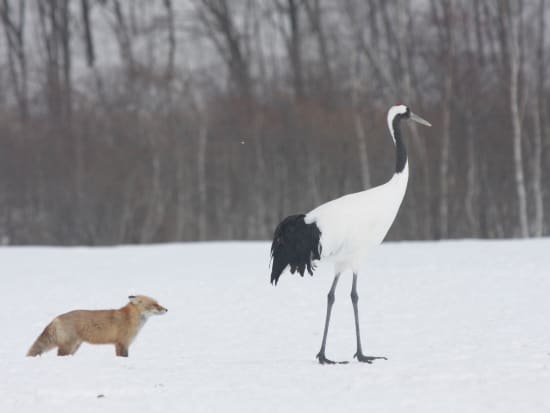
[
  {"x": 171, "y": 38},
  {"x": 14, "y": 30},
  {"x": 512, "y": 41},
  {"x": 315, "y": 13},
  {"x": 539, "y": 125},
  {"x": 291, "y": 11},
  {"x": 88, "y": 37},
  {"x": 443, "y": 12},
  {"x": 54, "y": 21},
  {"x": 123, "y": 32},
  {"x": 202, "y": 144},
  {"x": 218, "y": 21},
  {"x": 358, "y": 121}
]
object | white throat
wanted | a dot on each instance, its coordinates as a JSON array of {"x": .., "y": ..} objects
[{"x": 142, "y": 320}]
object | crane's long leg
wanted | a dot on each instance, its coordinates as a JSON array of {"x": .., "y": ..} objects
[
  {"x": 354, "y": 299},
  {"x": 330, "y": 301}
]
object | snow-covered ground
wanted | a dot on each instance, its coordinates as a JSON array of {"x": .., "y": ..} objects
[{"x": 465, "y": 326}]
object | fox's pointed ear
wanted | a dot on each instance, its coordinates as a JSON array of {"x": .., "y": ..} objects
[{"x": 132, "y": 299}]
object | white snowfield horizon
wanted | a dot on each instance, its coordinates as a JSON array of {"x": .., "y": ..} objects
[{"x": 465, "y": 326}]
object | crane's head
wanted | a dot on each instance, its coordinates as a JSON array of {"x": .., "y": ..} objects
[
  {"x": 404, "y": 112},
  {"x": 399, "y": 112}
]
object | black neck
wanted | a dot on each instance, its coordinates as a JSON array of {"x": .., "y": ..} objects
[{"x": 400, "y": 150}]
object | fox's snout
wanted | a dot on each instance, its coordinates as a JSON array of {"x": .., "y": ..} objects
[
  {"x": 161, "y": 310},
  {"x": 147, "y": 305},
  {"x": 156, "y": 309}
]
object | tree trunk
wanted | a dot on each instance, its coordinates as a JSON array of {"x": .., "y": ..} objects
[
  {"x": 444, "y": 178},
  {"x": 358, "y": 122},
  {"x": 514, "y": 58},
  {"x": 538, "y": 224}
]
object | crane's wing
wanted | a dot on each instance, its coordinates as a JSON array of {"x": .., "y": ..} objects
[{"x": 295, "y": 244}]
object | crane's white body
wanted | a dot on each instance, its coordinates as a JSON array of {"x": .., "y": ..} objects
[{"x": 351, "y": 225}]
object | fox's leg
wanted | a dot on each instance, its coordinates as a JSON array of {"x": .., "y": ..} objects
[
  {"x": 68, "y": 347},
  {"x": 121, "y": 350},
  {"x": 76, "y": 346},
  {"x": 64, "y": 349}
]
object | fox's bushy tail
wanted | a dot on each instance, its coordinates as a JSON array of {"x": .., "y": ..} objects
[{"x": 45, "y": 341}]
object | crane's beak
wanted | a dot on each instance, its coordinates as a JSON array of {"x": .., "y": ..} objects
[{"x": 420, "y": 120}]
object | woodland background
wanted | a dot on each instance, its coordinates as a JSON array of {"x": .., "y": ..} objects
[{"x": 138, "y": 121}]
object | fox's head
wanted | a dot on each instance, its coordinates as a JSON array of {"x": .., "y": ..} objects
[{"x": 146, "y": 305}]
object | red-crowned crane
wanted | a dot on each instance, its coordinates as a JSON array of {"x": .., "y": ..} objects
[{"x": 344, "y": 230}]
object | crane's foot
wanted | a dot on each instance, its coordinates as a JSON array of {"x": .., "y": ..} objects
[
  {"x": 323, "y": 360},
  {"x": 367, "y": 359}
]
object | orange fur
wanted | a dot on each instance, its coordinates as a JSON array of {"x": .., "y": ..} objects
[{"x": 119, "y": 327}]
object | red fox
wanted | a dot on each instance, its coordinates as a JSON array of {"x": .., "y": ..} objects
[{"x": 118, "y": 327}]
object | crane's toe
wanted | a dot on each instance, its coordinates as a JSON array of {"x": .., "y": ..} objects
[
  {"x": 323, "y": 360},
  {"x": 367, "y": 359}
]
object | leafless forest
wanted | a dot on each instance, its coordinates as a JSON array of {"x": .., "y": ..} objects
[{"x": 133, "y": 121}]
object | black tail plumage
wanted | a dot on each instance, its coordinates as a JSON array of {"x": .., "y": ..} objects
[{"x": 296, "y": 244}]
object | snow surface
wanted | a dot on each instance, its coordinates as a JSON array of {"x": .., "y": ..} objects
[{"x": 465, "y": 326}]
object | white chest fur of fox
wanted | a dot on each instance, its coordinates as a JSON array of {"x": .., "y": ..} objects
[{"x": 119, "y": 327}]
